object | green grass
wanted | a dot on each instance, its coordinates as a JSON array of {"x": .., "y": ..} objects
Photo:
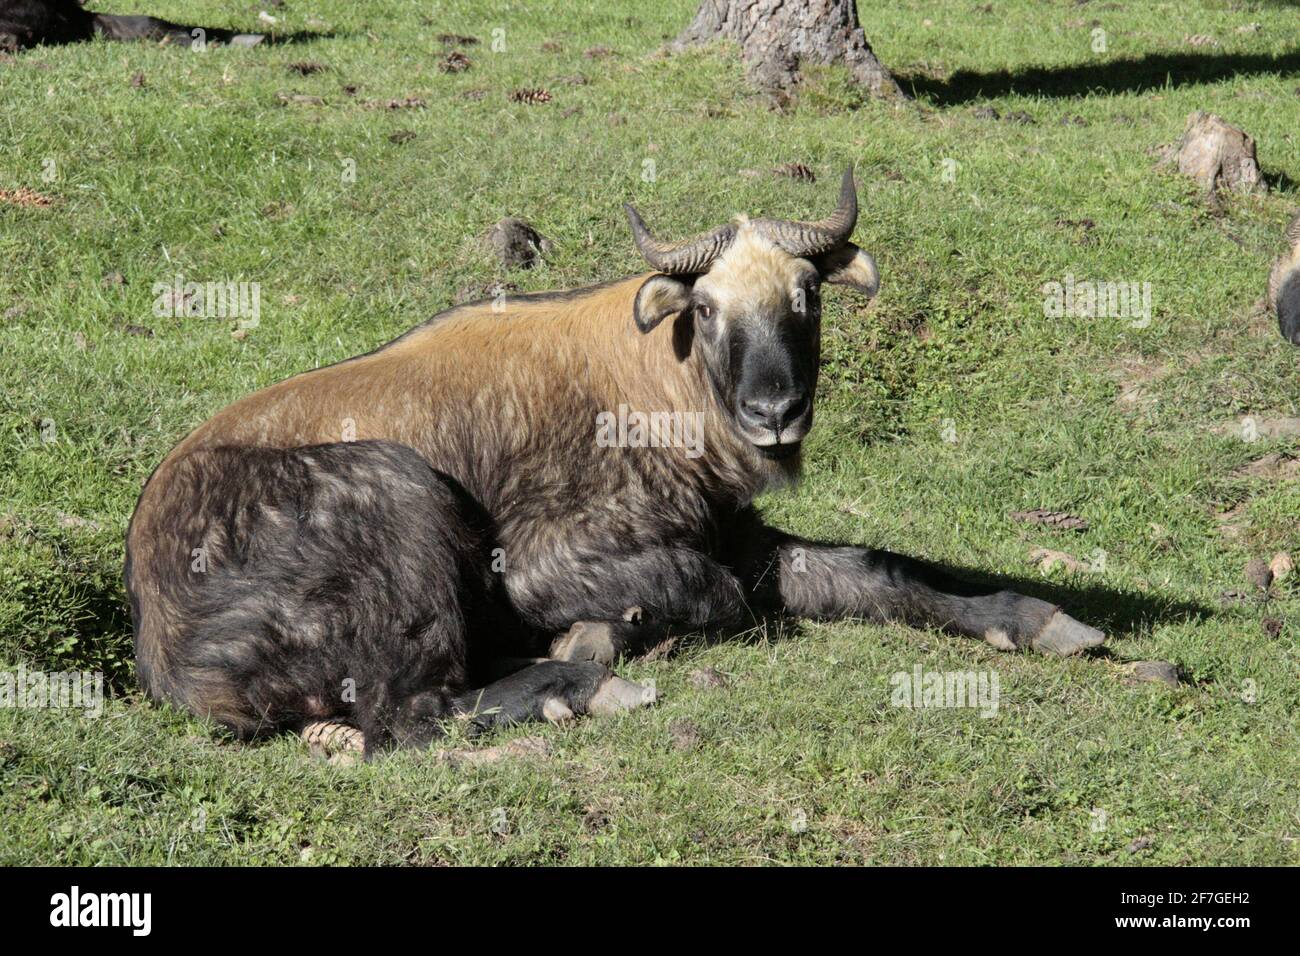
[{"x": 203, "y": 171}]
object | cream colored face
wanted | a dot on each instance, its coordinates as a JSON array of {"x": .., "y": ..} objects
[
  {"x": 754, "y": 278},
  {"x": 757, "y": 315},
  {"x": 756, "y": 323}
]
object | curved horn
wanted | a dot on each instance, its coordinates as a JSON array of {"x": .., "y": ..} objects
[
  {"x": 679, "y": 258},
  {"x": 813, "y": 238}
]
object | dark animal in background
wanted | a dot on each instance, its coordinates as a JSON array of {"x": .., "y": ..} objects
[
  {"x": 378, "y": 541},
  {"x": 1284, "y": 286},
  {"x": 26, "y": 23}
]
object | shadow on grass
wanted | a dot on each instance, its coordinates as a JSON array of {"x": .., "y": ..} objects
[{"x": 1131, "y": 75}]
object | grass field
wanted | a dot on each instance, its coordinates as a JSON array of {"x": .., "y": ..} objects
[{"x": 948, "y": 403}]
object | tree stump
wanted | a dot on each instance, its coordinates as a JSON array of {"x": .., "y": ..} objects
[
  {"x": 1217, "y": 155},
  {"x": 777, "y": 36}
]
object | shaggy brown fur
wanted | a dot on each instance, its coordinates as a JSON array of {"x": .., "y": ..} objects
[{"x": 400, "y": 523}]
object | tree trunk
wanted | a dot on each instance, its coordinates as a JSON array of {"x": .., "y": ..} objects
[{"x": 776, "y": 36}]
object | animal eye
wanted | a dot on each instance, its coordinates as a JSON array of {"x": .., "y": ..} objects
[{"x": 704, "y": 312}]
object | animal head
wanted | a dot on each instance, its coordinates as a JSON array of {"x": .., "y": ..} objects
[{"x": 750, "y": 291}]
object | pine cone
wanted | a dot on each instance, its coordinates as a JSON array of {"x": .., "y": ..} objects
[
  {"x": 796, "y": 171},
  {"x": 532, "y": 96},
  {"x": 454, "y": 62}
]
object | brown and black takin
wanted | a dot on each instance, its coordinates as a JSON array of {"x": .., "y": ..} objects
[{"x": 478, "y": 519}]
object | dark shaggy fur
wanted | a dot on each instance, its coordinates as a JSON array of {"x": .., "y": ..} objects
[
  {"x": 1288, "y": 308},
  {"x": 478, "y": 520},
  {"x": 26, "y": 23},
  {"x": 308, "y": 593}
]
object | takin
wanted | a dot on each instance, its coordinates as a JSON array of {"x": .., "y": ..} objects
[
  {"x": 1284, "y": 286},
  {"x": 478, "y": 519},
  {"x": 26, "y": 23}
]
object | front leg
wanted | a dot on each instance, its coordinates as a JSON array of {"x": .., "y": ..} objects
[
  {"x": 809, "y": 579},
  {"x": 613, "y": 605}
]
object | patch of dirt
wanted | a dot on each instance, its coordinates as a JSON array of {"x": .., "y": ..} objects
[
  {"x": 517, "y": 244},
  {"x": 1258, "y": 573},
  {"x": 299, "y": 99},
  {"x": 27, "y": 198},
  {"x": 1274, "y": 466},
  {"x": 1162, "y": 672},
  {"x": 1233, "y": 524},
  {"x": 684, "y": 733},
  {"x": 595, "y": 820},
  {"x": 1046, "y": 559},
  {"x": 524, "y": 747},
  {"x": 707, "y": 678},
  {"x": 1084, "y": 230},
  {"x": 77, "y": 523},
  {"x": 1136, "y": 378},
  {"x": 1140, "y": 844},
  {"x": 1259, "y": 427}
]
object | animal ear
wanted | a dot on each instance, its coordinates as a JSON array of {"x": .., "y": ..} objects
[
  {"x": 849, "y": 265},
  {"x": 659, "y": 297}
]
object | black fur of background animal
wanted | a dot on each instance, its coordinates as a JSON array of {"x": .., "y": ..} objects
[
  {"x": 33, "y": 22},
  {"x": 27, "y": 23},
  {"x": 1288, "y": 308}
]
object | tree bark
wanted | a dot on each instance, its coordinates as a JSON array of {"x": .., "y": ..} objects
[{"x": 777, "y": 36}]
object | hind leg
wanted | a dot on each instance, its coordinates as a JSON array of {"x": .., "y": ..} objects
[{"x": 334, "y": 582}]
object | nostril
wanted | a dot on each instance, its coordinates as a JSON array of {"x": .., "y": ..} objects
[
  {"x": 774, "y": 413},
  {"x": 790, "y": 409}
]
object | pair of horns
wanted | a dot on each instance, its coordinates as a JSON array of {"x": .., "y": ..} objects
[{"x": 800, "y": 239}]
